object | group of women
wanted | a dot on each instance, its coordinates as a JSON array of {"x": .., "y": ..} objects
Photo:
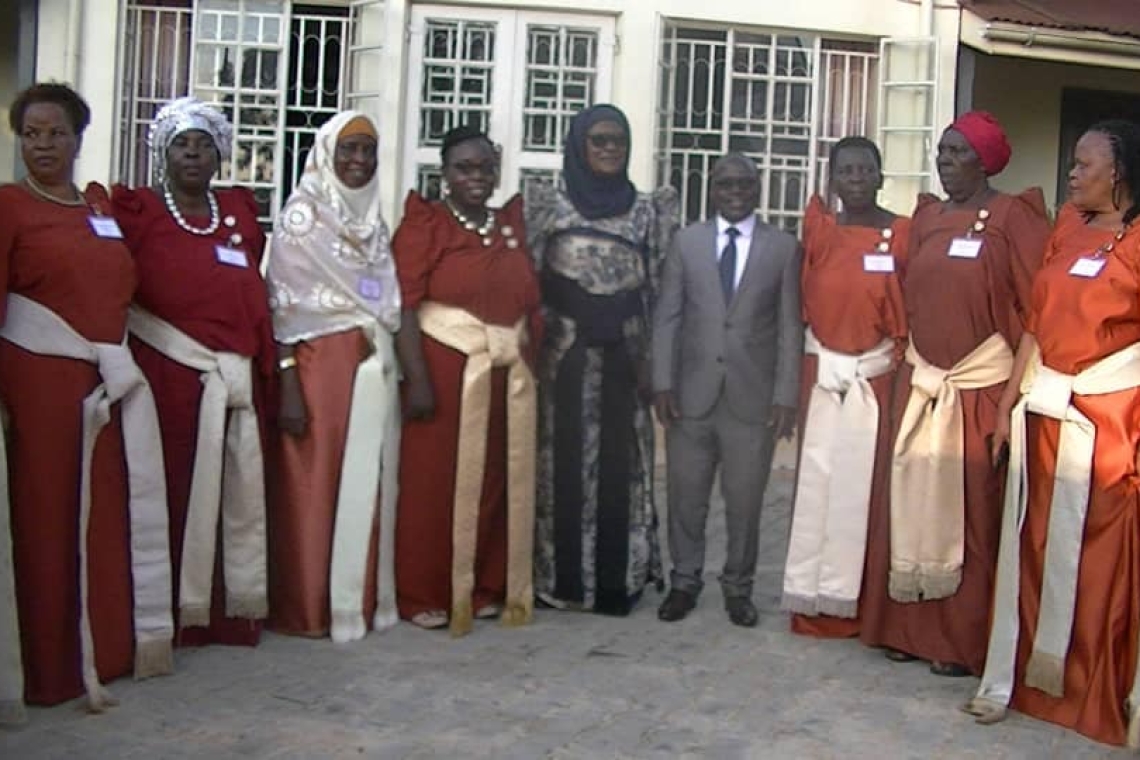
[
  {"x": 196, "y": 450},
  {"x": 968, "y": 487},
  {"x": 451, "y": 422}
]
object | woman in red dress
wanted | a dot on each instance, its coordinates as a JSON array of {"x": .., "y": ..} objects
[
  {"x": 464, "y": 526},
  {"x": 61, "y": 259},
  {"x": 853, "y": 307},
  {"x": 201, "y": 331},
  {"x": 1064, "y": 644},
  {"x": 969, "y": 268}
]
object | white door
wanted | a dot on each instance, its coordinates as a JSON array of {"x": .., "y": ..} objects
[{"x": 519, "y": 76}]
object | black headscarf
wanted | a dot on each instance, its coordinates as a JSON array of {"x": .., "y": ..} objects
[{"x": 593, "y": 196}]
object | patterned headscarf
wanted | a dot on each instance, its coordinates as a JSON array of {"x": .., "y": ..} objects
[
  {"x": 183, "y": 115},
  {"x": 595, "y": 197}
]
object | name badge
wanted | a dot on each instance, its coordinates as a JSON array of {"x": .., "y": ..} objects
[
  {"x": 965, "y": 248},
  {"x": 105, "y": 227},
  {"x": 370, "y": 288},
  {"x": 231, "y": 256},
  {"x": 878, "y": 262},
  {"x": 1086, "y": 267}
]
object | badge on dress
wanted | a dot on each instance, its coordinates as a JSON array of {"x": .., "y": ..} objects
[
  {"x": 878, "y": 262},
  {"x": 370, "y": 288},
  {"x": 231, "y": 256},
  {"x": 965, "y": 248},
  {"x": 105, "y": 227},
  {"x": 1086, "y": 267}
]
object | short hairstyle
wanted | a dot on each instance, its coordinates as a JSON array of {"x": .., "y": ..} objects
[
  {"x": 76, "y": 108},
  {"x": 462, "y": 134},
  {"x": 740, "y": 160},
  {"x": 1124, "y": 137},
  {"x": 856, "y": 142}
]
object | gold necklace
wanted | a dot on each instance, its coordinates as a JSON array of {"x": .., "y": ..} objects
[{"x": 36, "y": 188}]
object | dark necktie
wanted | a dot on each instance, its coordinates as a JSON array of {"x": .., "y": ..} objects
[{"x": 728, "y": 265}]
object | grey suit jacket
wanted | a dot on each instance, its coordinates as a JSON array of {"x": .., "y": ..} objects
[{"x": 749, "y": 349}]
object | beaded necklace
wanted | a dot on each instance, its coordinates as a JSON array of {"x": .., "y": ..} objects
[
  {"x": 215, "y": 215},
  {"x": 483, "y": 231},
  {"x": 39, "y": 190}
]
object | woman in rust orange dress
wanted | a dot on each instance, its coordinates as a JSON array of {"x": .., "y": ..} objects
[
  {"x": 66, "y": 280},
  {"x": 853, "y": 306},
  {"x": 336, "y": 305},
  {"x": 970, "y": 265},
  {"x": 201, "y": 331},
  {"x": 465, "y": 519},
  {"x": 1067, "y": 610}
]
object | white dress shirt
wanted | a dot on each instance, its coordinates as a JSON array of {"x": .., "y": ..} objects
[{"x": 745, "y": 227}]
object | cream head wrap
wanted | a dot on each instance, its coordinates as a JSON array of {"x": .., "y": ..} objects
[{"x": 183, "y": 115}]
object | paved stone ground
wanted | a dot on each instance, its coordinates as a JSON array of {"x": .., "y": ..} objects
[{"x": 570, "y": 686}]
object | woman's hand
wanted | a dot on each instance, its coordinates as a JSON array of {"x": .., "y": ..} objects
[
  {"x": 5, "y": 420},
  {"x": 419, "y": 400},
  {"x": 293, "y": 417},
  {"x": 999, "y": 439}
]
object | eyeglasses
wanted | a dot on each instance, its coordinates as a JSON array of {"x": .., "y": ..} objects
[
  {"x": 365, "y": 150},
  {"x": 607, "y": 139}
]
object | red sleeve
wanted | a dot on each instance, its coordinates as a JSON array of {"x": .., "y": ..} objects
[
  {"x": 513, "y": 214},
  {"x": 1027, "y": 229},
  {"x": 7, "y": 245},
  {"x": 134, "y": 211},
  {"x": 244, "y": 199},
  {"x": 894, "y": 309},
  {"x": 817, "y": 223},
  {"x": 415, "y": 249}
]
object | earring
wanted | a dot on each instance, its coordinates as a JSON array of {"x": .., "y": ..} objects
[{"x": 444, "y": 188}]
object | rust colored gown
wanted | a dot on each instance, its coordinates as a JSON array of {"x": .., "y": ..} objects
[
  {"x": 852, "y": 311},
  {"x": 223, "y": 307},
  {"x": 953, "y": 305},
  {"x": 48, "y": 253},
  {"x": 1078, "y": 321},
  {"x": 438, "y": 260}
]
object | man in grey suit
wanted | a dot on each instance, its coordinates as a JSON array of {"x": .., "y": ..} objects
[{"x": 727, "y": 342}]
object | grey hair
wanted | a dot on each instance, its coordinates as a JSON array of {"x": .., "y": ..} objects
[{"x": 739, "y": 160}]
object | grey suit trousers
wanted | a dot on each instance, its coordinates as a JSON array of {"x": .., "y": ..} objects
[{"x": 743, "y": 450}]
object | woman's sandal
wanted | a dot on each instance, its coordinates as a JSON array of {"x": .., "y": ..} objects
[
  {"x": 949, "y": 669},
  {"x": 430, "y": 620},
  {"x": 896, "y": 655}
]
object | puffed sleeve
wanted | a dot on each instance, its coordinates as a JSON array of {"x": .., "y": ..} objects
[
  {"x": 134, "y": 210},
  {"x": 415, "y": 249},
  {"x": 1027, "y": 229},
  {"x": 516, "y": 213},
  {"x": 818, "y": 222},
  {"x": 541, "y": 212},
  {"x": 666, "y": 221},
  {"x": 250, "y": 227}
]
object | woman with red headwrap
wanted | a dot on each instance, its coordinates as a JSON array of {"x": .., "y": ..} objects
[{"x": 971, "y": 261}]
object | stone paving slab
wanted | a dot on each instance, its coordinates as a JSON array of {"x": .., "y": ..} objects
[{"x": 571, "y": 686}]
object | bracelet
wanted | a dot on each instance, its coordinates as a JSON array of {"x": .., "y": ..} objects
[{"x": 286, "y": 363}]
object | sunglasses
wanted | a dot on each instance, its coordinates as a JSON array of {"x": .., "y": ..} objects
[{"x": 608, "y": 140}]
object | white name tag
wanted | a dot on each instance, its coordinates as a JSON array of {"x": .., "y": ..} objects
[
  {"x": 878, "y": 262},
  {"x": 105, "y": 227},
  {"x": 965, "y": 248},
  {"x": 232, "y": 256},
  {"x": 1085, "y": 267},
  {"x": 370, "y": 288}
]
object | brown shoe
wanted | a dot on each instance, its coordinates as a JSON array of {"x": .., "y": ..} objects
[
  {"x": 677, "y": 605},
  {"x": 741, "y": 611}
]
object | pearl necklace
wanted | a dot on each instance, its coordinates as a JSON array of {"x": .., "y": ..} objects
[
  {"x": 215, "y": 215},
  {"x": 36, "y": 188},
  {"x": 483, "y": 231}
]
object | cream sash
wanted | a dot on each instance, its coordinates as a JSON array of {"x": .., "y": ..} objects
[
  {"x": 927, "y": 475},
  {"x": 37, "y": 329},
  {"x": 489, "y": 346},
  {"x": 371, "y": 462},
  {"x": 1049, "y": 393},
  {"x": 11, "y": 668},
  {"x": 232, "y": 475},
  {"x": 824, "y": 570}
]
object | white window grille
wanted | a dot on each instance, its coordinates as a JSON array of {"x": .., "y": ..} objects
[
  {"x": 277, "y": 69},
  {"x": 517, "y": 75},
  {"x": 778, "y": 97},
  {"x": 907, "y": 136}
]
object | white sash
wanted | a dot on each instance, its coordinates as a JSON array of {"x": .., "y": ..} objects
[
  {"x": 36, "y": 328},
  {"x": 232, "y": 475},
  {"x": 1049, "y": 393},
  {"x": 824, "y": 570},
  {"x": 371, "y": 461}
]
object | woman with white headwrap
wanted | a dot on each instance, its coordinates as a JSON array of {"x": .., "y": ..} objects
[
  {"x": 202, "y": 334},
  {"x": 336, "y": 305}
]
